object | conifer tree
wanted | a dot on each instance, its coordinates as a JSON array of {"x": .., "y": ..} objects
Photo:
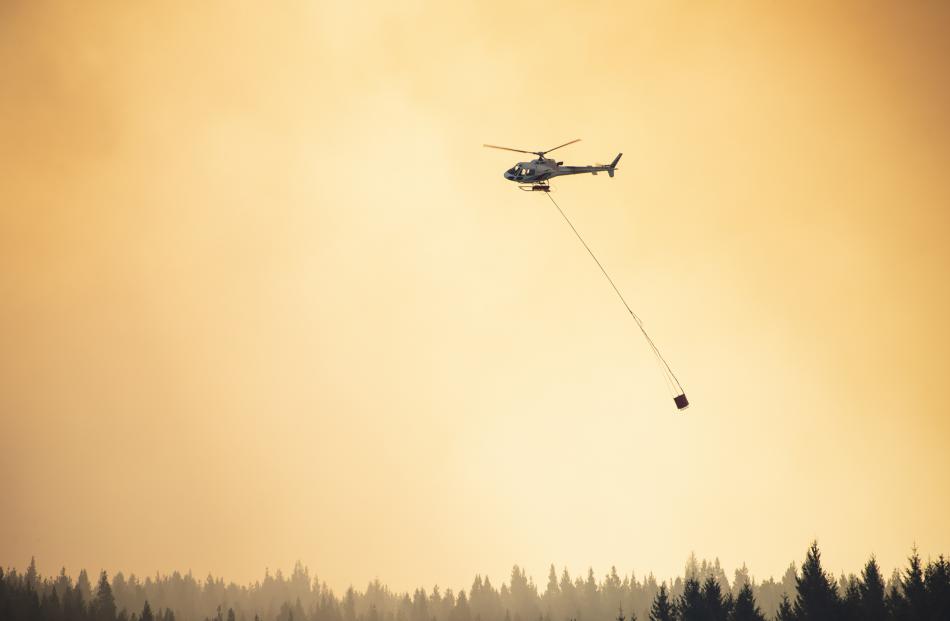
[
  {"x": 84, "y": 587},
  {"x": 895, "y": 603},
  {"x": 31, "y": 575},
  {"x": 851, "y": 604},
  {"x": 915, "y": 594},
  {"x": 937, "y": 583},
  {"x": 51, "y": 608},
  {"x": 744, "y": 608},
  {"x": 715, "y": 606},
  {"x": 73, "y": 606},
  {"x": 6, "y": 598},
  {"x": 147, "y": 613},
  {"x": 62, "y": 585},
  {"x": 691, "y": 606},
  {"x": 817, "y": 596},
  {"x": 552, "y": 593},
  {"x": 741, "y": 578},
  {"x": 662, "y": 608},
  {"x": 105, "y": 602},
  {"x": 33, "y": 610},
  {"x": 785, "y": 610},
  {"x": 871, "y": 589}
]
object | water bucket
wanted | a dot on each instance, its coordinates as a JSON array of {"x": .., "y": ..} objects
[{"x": 681, "y": 401}]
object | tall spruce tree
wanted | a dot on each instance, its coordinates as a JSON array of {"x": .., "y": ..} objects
[
  {"x": 104, "y": 602},
  {"x": 691, "y": 605},
  {"x": 937, "y": 583},
  {"x": 73, "y": 606},
  {"x": 871, "y": 590},
  {"x": 31, "y": 577},
  {"x": 851, "y": 603},
  {"x": 51, "y": 608},
  {"x": 896, "y": 604},
  {"x": 817, "y": 596},
  {"x": 715, "y": 606},
  {"x": 785, "y": 611},
  {"x": 744, "y": 608},
  {"x": 662, "y": 608},
  {"x": 84, "y": 587},
  {"x": 147, "y": 613},
  {"x": 915, "y": 594}
]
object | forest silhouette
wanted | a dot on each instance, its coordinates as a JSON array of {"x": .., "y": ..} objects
[{"x": 918, "y": 592}]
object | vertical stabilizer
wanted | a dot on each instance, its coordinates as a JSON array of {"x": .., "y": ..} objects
[{"x": 613, "y": 164}]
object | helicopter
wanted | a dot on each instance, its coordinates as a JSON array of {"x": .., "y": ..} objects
[{"x": 534, "y": 175}]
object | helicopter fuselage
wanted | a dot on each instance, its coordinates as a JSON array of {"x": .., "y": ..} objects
[{"x": 542, "y": 169}]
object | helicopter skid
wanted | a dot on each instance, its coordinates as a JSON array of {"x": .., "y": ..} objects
[{"x": 535, "y": 187}]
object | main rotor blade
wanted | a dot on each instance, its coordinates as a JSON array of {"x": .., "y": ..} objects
[
  {"x": 507, "y": 149},
  {"x": 563, "y": 145}
]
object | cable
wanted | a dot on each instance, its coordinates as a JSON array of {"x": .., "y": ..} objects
[{"x": 672, "y": 376}]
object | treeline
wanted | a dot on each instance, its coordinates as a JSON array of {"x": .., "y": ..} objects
[
  {"x": 704, "y": 593},
  {"x": 917, "y": 594}
]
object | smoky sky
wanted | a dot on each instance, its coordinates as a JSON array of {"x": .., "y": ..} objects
[{"x": 266, "y": 298}]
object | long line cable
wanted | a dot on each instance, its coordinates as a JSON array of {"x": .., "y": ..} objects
[{"x": 672, "y": 376}]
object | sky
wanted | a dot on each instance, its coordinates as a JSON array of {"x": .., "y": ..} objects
[{"x": 265, "y": 297}]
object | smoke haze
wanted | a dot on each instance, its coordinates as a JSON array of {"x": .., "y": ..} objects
[{"x": 264, "y": 297}]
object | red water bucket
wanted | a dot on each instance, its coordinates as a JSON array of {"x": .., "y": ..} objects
[{"x": 681, "y": 401}]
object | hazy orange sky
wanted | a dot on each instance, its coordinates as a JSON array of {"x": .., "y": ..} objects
[{"x": 264, "y": 297}]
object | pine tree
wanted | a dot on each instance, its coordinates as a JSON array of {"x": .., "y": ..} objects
[
  {"x": 895, "y": 603},
  {"x": 691, "y": 606},
  {"x": 73, "y": 606},
  {"x": 662, "y": 608},
  {"x": 741, "y": 578},
  {"x": 937, "y": 583},
  {"x": 744, "y": 608},
  {"x": 552, "y": 594},
  {"x": 817, "y": 595},
  {"x": 851, "y": 604},
  {"x": 33, "y": 610},
  {"x": 6, "y": 603},
  {"x": 715, "y": 606},
  {"x": 915, "y": 593},
  {"x": 785, "y": 611},
  {"x": 871, "y": 589},
  {"x": 31, "y": 575},
  {"x": 62, "y": 585},
  {"x": 84, "y": 587},
  {"x": 105, "y": 602},
  {"x": 147, "y": 613},
  {"x": 51, "y": 609}
]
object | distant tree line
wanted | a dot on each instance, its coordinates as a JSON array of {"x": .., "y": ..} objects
[{"x": 704, "y": 593}]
